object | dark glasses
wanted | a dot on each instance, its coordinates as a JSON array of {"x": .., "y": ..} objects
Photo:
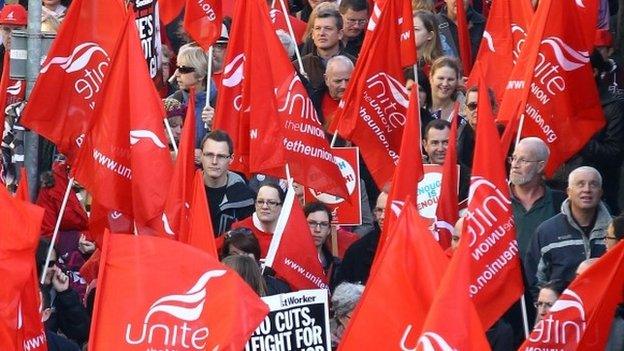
[
  {"x": 472, "y": 106},
  {"x": 186, "y": 69}
]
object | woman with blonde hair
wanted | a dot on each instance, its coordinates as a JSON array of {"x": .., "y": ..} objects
[
  {"x": 428, "y": 44},
  {"x": 444, "y": 77}
]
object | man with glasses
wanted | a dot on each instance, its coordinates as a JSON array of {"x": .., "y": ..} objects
[
  {"x": 229, "y": 197},
  {"x": 355, "y": 16},
  {"x": 268, "y": 206},
  {"x": 532, "y": 200},
  {"x": 562, "y": 242}
]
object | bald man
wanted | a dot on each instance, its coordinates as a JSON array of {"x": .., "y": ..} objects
[
  {"x": 337, "y": 75},
  {"x": 561, "y": 243},
  {"x": 533, "y": 202}
]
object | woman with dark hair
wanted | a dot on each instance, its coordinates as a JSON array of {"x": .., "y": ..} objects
[
  {"x": 262, "y": 222},
  {"x": 549, "y": 292},
  {"x": 242, "y": 242},
  {"x": 424, "y": 95},
  {"x": 248, "y": 269}
]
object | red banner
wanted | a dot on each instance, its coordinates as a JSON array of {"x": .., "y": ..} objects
[{"x": 551, "y": 75}]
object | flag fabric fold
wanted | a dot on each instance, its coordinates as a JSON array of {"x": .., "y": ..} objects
[
  {"x": 202, "y": 305},
  {"x": 64, "y": 98},
  {"x": 262, "y": 101},
  {"x": 199, "y": 232},
  {"x": 396, "y": 299},
  {"x": 124, "y": 160},
  {"x": 551, "y": 73},
  {"x": 292, "y": 253},
  {"x": 202, "y": 21},
  {"x": 582, "y": 316},
  {"x": 372, "y": 113}
]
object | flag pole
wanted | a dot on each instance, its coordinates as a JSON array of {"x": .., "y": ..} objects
[
  {"x": 520, "y": 124},
  {"x": 291, "y": 32},
  {"x": 208, "y": 80},
  {"x": 170, "y": 134},
  {"x": 70, "y": 183},
  {"x": 525, "y": 319},
  {"x": 333, "y": 141}
]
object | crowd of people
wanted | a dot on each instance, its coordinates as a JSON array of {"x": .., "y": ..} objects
[{"x": 563, "y": 224}]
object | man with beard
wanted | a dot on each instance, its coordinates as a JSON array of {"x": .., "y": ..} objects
[{"x": 533, "y": 202}]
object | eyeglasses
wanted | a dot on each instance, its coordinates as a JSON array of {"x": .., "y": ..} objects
[
  {"x": 270, "y": 203},
  {"x": 512, "y": 159},
  {"x": 219, "y": 157},
  {"x": 471, "y": 106},
  {"x": 320, "y": 225},
  {"x": 543, "y": 304},
  {"x": 185, "y": 69},
  {"x": 360, "y": 22},
  {"x": 51, "y": 263}
]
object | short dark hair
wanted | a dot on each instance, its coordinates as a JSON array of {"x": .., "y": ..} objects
[
  {"x": 353, "y": 5},
  {"x": 274, "y": 185},
  {"x": 491, "y": 95},
  {"x": 219, "y": 136},
  {"x": 317, "y": 206},
  {"x": 439, "y": 124},
  {"x": 243, "y": 239},
  {"x": 329, "y": 13},
  {"x": 618, "y": 226},
  {"x": 556, "y": 285}
]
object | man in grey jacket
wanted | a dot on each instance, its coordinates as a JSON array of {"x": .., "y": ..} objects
[{"x": 562, "y": 242}]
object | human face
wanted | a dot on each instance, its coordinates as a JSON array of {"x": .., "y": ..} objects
[
  {"x": 610, "y": 239},
  {"x": 584, "y": 191},
  {"x": 268, "y": 205},
  {"x": 6, "y": 36},
  {"x": 50, "y": 269},
  {"x": 421, "y": 34},
  {"x": 326, "y": 34},
  {"x": 545, "y": 300},
  {"x": 176, "y": 127},
  {"x": 443, "y": 83},
  {"x": 525, "y": 166},
  {"x": 337, "y": 78},
  {"x": 470, "y": 108},
  {"x": 435, "y": 144},
  {"x": 216, "y": 159},
  {"x": 380, "y": 208},
  {"x": 186, "y": 80},
  {"x": 51, "y": 4},
  {"x": 218, "y": 54},
  {"x": 319, "y": 227},
  {"x": 451, "y": 8},
  {"x": 354, "y": 23}
]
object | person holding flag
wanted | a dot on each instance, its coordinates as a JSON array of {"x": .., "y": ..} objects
[{"x": 319, "y": 219}]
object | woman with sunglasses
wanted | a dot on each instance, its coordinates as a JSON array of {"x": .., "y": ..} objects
[{"x": 191, "y": 73}]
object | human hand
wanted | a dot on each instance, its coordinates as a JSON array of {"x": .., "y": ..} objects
[
  {"x": 60, "y": 280},
  {"x": 207, "y": 116},
  {"x": 85, "y": 246}
]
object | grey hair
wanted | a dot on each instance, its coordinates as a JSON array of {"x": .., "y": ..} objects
[
  {"x": 287, "y": 42},
  {"x": 345, "y": 298},
  {"x": 538, "y": 147},
  {"x": 196, "y": 58},
  {"x": 337, "y": 60},
  {"x": 584, "y": 169}
]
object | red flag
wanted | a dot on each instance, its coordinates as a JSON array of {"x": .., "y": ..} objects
[
  {"x": 262, "y": 101},
  {"x": 22, "y": 189},
  {"x": 582, "y": 316},
  {"x": 409, "y": 170},
  {"x": 19, "y": 236},
  {"x": 451, "y": 301},
  {"x": 552, "y": 72},
  {"x": 203, "y": 20},
  {"x": 200, "y": 232},
  {"x": 447, "y": 212},
  {"x": 496, "y": 280},
  {"x": 397, "y": 298},
  {"x": 169, "y": 10},
  {"x": 201, "y": 305},
  {"x": 175, "y": 218},
  {"x": 292, "y": 253},
  {"x": 279, "y": 22},
  {"x": 64, "y": 97},
  {"x": 124, "y": 161},
  {"x": 465, "y": 53},
  {"x": 31, "y": 334},
  {"x": 372, "y": 112},
  {"x": 504, "y": 35}
]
